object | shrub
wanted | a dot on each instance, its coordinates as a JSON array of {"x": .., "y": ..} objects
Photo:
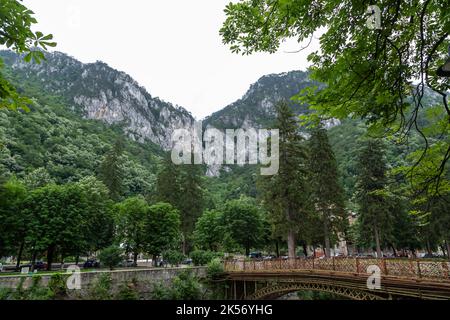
[
  {"x": 5, "y": 293},
  {"x": 186, "y": 286},
  {"x": 202, "y": 257},
  {"x": 213, "y": 282},
  {"x": 127, "y": 291},
  {"x": 160, "y": 292},
  {"x": 173, "y": 257},
  {"x": 214, "y": 269},
  {"x": 57, "y": 285},
  {"x": 20, "y": 292},
  {"x": 36, "y": 292},
  {"x": 111, "y": 256},
  {"x": 101, "y": 289}
]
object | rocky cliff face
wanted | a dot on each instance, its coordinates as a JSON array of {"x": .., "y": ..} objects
[
  {"x": 257, "y": 107},
  {"x": 100, "y": 92},
  {"x": 103, "y": 93}
]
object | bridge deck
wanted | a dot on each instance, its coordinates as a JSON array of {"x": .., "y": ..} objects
[
  {"x": 407, "y": 268},
  {"x": 400, "y": 277}
]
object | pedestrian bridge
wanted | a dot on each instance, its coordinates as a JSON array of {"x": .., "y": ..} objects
[{"x": 354, "y": 278}]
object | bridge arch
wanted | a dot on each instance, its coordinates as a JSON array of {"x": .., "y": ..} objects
[{"x": 277, "y": 290}]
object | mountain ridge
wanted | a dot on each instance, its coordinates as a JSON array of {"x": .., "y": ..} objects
[
  {"x": 101, "y": 92},
  {"x": 98, "y": 91}
]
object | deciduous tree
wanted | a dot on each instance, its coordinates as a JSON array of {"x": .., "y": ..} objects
[
  {"x": 131, "y": 217},
  {"x": 243, "y": 223},
  {"x": 15, "y": 33},
  {"x": 162, "y": 229}
]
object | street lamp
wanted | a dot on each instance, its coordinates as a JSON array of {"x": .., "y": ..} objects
[{"x": 444, "y": 71}]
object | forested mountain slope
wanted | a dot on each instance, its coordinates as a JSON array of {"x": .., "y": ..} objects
[
  {"x": 100, "y": 92},
  {"x": 63, "y": 137}
]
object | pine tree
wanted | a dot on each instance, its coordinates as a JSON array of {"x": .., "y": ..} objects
[
  {"x": 374, "y": 218},
  {"x": 327, "y": 193},
  {"x": 439, "y": 219},
  {"x": 168, "y": 181},
  {"x": 191, "y": 201},
  {"x": 111, "y": 172},
  {"x": 286, "y": 194},
  {"x": 181, "y": 186}
]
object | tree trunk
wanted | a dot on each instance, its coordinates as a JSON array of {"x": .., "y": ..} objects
[
  {"x": 277, "y": 248},
  {"x": 443, "y": 250},
  {"x": 135, "y": 258},
  {"x": 184, "y": 245},
  {"x": 33, "y": 260},
  {"x": 19, "y": 255},
  {"x": 247, "y": 250},
  {"x": 326, "y": 238},
  {"x": 50, "y": 252},
  {"x": 393, "y": 250},
  {"x": 291, "y": 244},
  {"x": 77, "y": 259},
  {"x": 429, "y": 251},
  {"x": 305, "y": 249},
  {"x": 154, "y": 260},
  {"x": 377, "y": 241},
  {"x": 447, "y": 242}
]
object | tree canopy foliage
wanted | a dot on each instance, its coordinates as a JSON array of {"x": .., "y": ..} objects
[
  {"x": 16, "y": 33},
  {"x": 380, "y": 74}
]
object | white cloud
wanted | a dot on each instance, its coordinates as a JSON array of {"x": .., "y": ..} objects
[{"x": 171, "y": 47}]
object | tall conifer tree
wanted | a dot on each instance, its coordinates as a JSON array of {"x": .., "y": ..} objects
[
  {"x": 111, "y": 172},
  {"x": 374, "y": 218},
  {"x": 327, "y": 193},
  {"x": 181, "y": 186},
  {"x": 287, "y": 194}
]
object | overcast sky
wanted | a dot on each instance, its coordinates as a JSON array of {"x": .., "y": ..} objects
[{"x": 171, "y": 47}]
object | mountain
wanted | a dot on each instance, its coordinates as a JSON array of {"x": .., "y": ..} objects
[
  {"x": 97, "y": 91},
  {"x": 81, "y": 109},
  {"x": 100, "y": 92},
  {"x": 257, "y": 107}
]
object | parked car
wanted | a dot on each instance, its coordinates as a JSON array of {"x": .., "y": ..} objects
[
  {"x": 38, "y": 265},
  {"x": 128, "y": 264},
  {"x": 432, "y": 256},
  {"x": 91, "y": 263},
  {"x": 162, "y": 263},
  {"x": 255, "y": 255},
  {"x": 188, "y": 261}
]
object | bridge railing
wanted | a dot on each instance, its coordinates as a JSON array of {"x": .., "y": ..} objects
[{"x": 410, "y": 268}]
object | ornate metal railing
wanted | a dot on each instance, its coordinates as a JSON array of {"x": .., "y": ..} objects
[{"x": 398, "y": 267}]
